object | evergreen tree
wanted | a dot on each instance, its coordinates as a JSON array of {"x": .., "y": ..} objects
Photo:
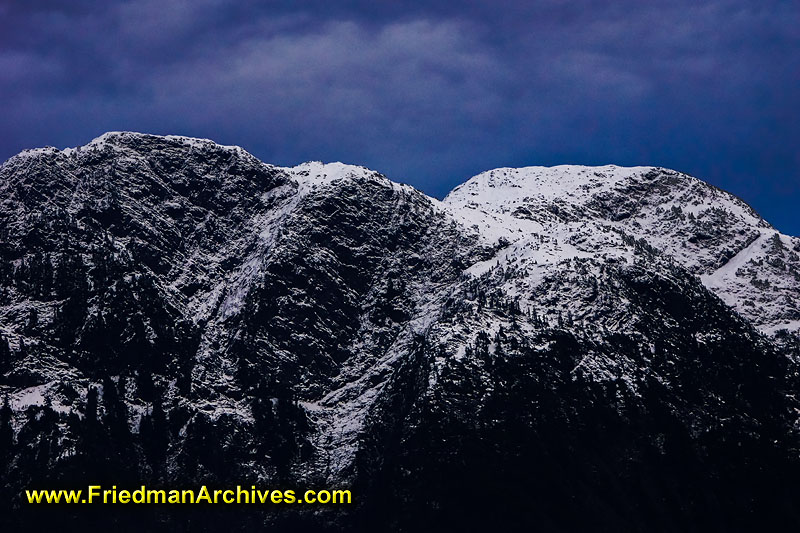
[
  {"x": 91, "y": 438},
  {"x": 47, "y": 449},
  {"x": 116, "y": 419},
  {"x": 33, "y": 320},
  {"x": 6, "y": 433},
  {"x": 154, "y": 436},
  {"x": 5, "y": 355},
  {"x": 144, "y": 385},
  {"x": 264, "y": 418},
  {"x": 91, "y": 408}
]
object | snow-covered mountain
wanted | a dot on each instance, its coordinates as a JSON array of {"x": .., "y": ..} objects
[
  {"x": 595, "y": 346},
  {"x": 749, "y": 264}
]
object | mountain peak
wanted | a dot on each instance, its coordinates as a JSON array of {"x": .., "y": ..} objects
[
  {"x": 703, "y": 228},
  {"x": 124, "y": 140},
  {"x": 544, "y": 182},
  {"x": 127, "y": 138}
]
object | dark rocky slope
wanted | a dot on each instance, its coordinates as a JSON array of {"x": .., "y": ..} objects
[{"x": 174, "y": 312}]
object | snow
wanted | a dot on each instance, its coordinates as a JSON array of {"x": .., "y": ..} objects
[
  {"x": 792, "y": 325},
  {"x": 108, "y": 138},
  {"x": 37, "y": 396},
  {"x": 725, "y": 275},
  {"x": 309, "y": 177},
  {"x": 316, "y": 175},
  {"x": 508, "y": 206},
  {"x": 508, "y": 186},
  {"x": 30, "y": 396}
]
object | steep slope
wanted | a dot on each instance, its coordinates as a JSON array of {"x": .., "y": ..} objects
[
  {"x": 176, "y": 312},
  {"x": 740, "y": 257}
]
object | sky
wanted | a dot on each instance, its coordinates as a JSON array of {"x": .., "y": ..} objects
[{"x": 428, "y": 93}]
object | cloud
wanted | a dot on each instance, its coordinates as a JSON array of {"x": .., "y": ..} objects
[
  {"x": 345, "y": 73},
  {"x": 426, "y": 92}
]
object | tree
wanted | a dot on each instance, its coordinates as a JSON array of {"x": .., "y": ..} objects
[
  {"x": 91, "y": 407},
  {"x": 154, "y": 436},
  {"x": 5, "y": 354},
  {"x": 6, "y": 432},
  {"x": 91, "y": 438},
  {"x": 33, "y": 320}
]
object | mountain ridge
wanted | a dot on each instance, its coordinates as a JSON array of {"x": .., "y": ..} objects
[{"x": 211, "y": 318}]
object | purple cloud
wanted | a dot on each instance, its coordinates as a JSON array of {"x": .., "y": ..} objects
[{"x": 428, "y": 93}]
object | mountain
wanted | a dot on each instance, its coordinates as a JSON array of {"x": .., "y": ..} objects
[
  {"x": 738, "y": 255},
  {"x": 552, "y": 348}
]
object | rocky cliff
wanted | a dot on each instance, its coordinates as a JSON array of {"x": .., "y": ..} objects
[{"x": 552, "y": 348}]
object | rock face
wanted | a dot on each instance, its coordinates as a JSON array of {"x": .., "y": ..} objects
[
  {"x": 741, "y": 258},
  {"x": 551, "y": 348}
]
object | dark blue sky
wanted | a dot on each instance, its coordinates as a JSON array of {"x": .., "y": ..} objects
[{"x": 428, "y": 93}]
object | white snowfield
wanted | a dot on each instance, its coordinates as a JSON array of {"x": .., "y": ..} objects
[{"x": 738, "y": 255}]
